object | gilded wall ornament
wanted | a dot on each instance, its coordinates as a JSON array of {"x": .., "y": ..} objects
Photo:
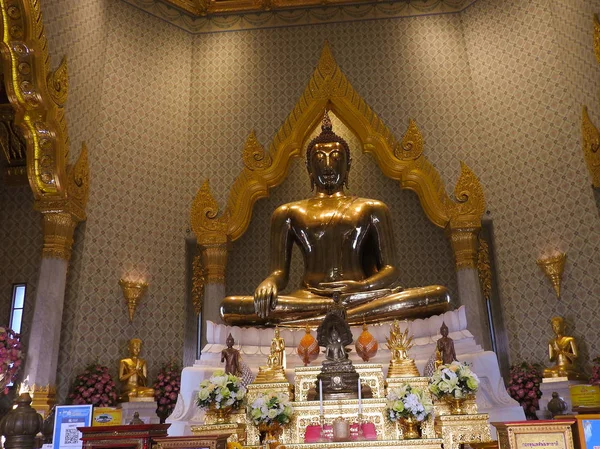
[
  {"x": 597, "y": 38},
  {"x": 484, "y": 268},
  {"x": 591, "y": 144},
  {"x": 132, "y": 292},
  {"x": 198, "y": 283},
  {"x": 553, "y": 267}
]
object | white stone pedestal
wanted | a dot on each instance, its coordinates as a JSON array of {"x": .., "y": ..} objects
[
  {"x": 254, "y": 345},
  {"x": 561, "y": 386},
  {"x": 146, "y": 409}
]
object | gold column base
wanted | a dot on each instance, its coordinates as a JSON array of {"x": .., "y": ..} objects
[
  {"x": 43, "y": 398},
  {"x": 403, "y": 368}
]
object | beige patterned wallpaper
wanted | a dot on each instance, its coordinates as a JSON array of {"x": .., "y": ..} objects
[{"x": 499, "y": 86}]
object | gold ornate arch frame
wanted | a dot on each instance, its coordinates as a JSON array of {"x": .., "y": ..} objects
[
  {"x": 403, "y": 161},
  {"x": 38, "y": 96}
]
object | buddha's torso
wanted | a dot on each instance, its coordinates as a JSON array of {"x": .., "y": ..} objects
[
  {"x": 560, "y": 345},
  {"x": 131, "y": 365},
  {"x": 333, "y": 234}
]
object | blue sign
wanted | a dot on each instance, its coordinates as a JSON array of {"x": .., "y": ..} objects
[{"x": 67, "y": 418}]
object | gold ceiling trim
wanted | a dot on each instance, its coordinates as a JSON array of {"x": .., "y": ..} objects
[
  {"x": 403, "y": 161},
  {"x": 213, "y": 16}
]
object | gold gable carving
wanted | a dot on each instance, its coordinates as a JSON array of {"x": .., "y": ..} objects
[
  {"x": 403, "y": 161},
  {"x": 37, "y": 95}
]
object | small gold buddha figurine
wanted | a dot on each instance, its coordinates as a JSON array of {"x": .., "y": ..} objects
[
  {"x": 444, "y": 348},
  {"x": 231, "y": 357},
  {"x": 274, "y": 370},
  {"x": 563, "y": 350},
  {"x": 399, "y": 343},
  {"x": 133, "y": 375},
  {"x": 347, "y": 244}
]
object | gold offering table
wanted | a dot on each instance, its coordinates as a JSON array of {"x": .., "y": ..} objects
[{"x": 442, "y": 428}]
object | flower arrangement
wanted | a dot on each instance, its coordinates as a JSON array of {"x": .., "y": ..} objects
[
  {"x": 595, "y": 379},
  {"x": 166, "y": 389},
  {"x": 222, "y": 390},
  {"x": 455, "y": 380},
  {"x": 11, "y": 357},
  {"x": 406, "y": 402},
  {"x": 94, "y": 386},
  {"x": 271, "y": 408},
  {"x": 524, "y": 387}
]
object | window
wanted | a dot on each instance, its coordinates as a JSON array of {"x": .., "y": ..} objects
[{"x": 16, "y": 312}]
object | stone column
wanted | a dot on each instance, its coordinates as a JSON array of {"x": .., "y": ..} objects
[
  {"x": 465, "y": 244},
  {"x": 44, "y": 339},
  {"x": 214, "y": 261}
]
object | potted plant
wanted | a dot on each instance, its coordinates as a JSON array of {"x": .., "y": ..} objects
[
  {"x": 94, "y": 386},
  {"x": 524, "y": 387},
  {"x": 166, "y": 389},
  {"x": 221, "y": 394},
  {"x": 410, "y": 406},
  {"x": 454, "y": 383}
]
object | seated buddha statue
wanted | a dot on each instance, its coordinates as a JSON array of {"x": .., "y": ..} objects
[
  {"x": 133, "y": 375},
  {"x": 562, "y": 350},
  {"x": 348, "y": 249}
]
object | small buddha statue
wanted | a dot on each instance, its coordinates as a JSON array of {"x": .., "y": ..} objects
[
  {"x": 274, "y": 370},
  {"x": 231, "y": 357},
  {"x": 399, "y": 343},
  {"x": 133, "y": 375},
  {"x": 444, "y": 348},
  {"x": 348, "y": 249},
  {"x": 563, "y": 351}
]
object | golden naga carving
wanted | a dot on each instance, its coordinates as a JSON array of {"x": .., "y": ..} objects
[
  {"x": 591, "y": 144},
  {"x": 37, "y": 95},
  {"x": 403, "y": 161}
]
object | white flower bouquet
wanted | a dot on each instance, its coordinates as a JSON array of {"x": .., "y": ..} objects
[
  {"x": 271, "y": 408},
  {"x": 408, "y": 402},
  {"x": 455, "y": 380},
  {"x": 221, "y": 391}
]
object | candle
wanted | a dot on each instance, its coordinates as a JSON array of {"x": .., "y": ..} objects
[
  {"x": 359, "y": 398},
  {"x": 321, "y": 396}
]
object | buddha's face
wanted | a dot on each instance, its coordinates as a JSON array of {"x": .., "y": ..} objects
[
  {"x": 135, "y": 347},
  {"x": 229, "y": 341},
  {"x": 328, "y": 166},
  {"x": 444, "y": 331},
  {"x": 558, "y": 326}
]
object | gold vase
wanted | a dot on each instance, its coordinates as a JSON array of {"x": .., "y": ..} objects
[
  {"x": 272, "y": 434},
  {"x": 457, "y": 405},
  {"x": 412, "y": 428},
  {"x": 222, "y": 415}
]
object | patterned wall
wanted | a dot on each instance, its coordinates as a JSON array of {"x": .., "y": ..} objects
[{"x": 499, "y": 86}]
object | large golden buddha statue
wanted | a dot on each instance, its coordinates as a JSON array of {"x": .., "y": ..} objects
[{"x": 348, "y": 249}]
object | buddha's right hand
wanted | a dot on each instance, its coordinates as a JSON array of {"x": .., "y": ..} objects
[{"x": 265, "y": 297}]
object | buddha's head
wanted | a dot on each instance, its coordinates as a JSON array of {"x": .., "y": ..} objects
[
  {"x": 230, "y": 341},
  {"x": 444, "y": 329},
  {"x": 558, "y": 325},
  {"x": 135, "y": 346},
  {"x": 328, "y": 160}
]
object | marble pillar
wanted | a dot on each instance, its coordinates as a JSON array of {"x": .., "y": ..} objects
[{"x": 44, "y": 339}]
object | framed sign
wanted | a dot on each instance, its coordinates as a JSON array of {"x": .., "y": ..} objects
[
  {"x": 554, "y": 434},
  {"x": 588, "y": 431},
  {"x": 67, "y": 418}
]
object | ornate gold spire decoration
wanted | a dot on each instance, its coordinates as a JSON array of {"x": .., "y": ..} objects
[
  {"x": 133, "y": 292},
  {"x": 399, "y": 343},
  {"x": 597, "y": 37},
  {"x": 553, "y": 268}
]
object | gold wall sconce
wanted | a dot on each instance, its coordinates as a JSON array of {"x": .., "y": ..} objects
[
  {"x": 133, "y": 292},
  {"x": 553, "y": 268}
]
